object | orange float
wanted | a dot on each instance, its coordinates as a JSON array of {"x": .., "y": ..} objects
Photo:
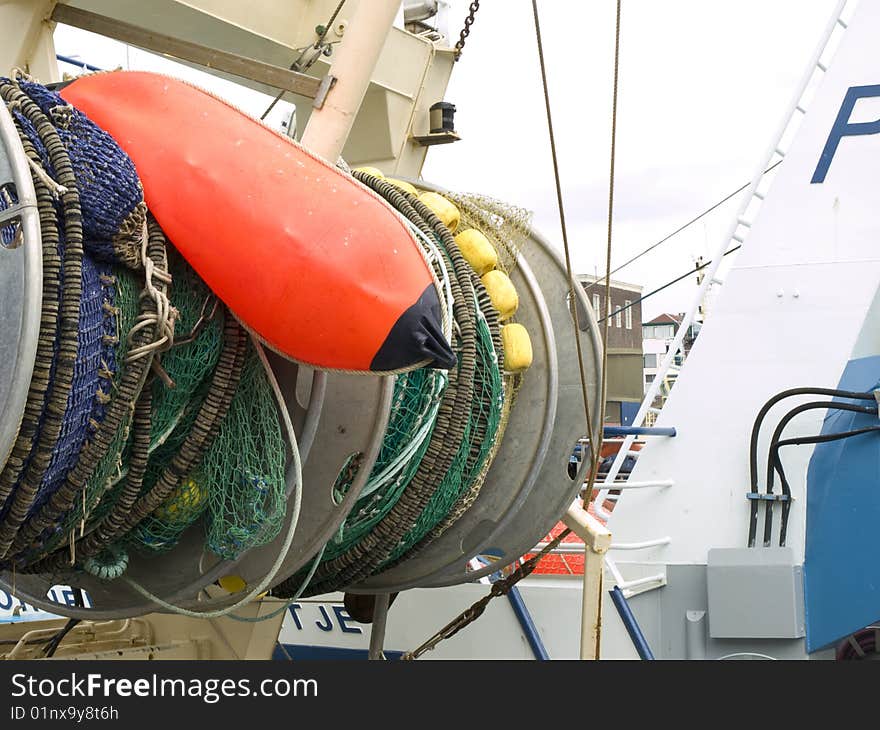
[{"x": 317, "y": 265}]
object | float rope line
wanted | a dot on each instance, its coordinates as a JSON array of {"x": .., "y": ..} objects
[
  {"x": 121, "y": 407},
  {"x": 45, "y": 352},
  {"x": 62, "y": 379}
]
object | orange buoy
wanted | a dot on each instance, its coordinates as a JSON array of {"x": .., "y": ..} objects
[{"x": 317, "y": 265}]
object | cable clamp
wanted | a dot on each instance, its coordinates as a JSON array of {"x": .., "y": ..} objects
[{"x": 762, "y": 497}]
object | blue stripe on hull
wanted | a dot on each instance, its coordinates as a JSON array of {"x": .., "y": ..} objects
[{"x": 841, "y": 567}]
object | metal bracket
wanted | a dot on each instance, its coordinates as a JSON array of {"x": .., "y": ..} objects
[
  {"x": 231, "y": 63},
  {"x": 426, "y": 140},
  {"x": 758, "y": 496},
  {"x": 327, "y": 83}
]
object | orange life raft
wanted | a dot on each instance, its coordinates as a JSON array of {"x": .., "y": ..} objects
[{"x": 319, "y": 267}]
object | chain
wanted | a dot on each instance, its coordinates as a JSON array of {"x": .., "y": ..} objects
[
  {"x": 466, "y": 31},
  {"x": 499, "y": 588}
]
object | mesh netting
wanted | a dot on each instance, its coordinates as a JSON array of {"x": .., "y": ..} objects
[
  {"x": 244, "y": 469},
  {"x": 83, "y": 394},
  {"x": 413, "y": 415},
  {"x": 506, "y": 226},
  {"x": 113, "y": 210},
  {"x": 480, "y": 435}
]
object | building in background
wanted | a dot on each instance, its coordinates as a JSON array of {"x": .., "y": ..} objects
[
  {"x": 657, "y": 337},
  {"x": 625, "y": 364}
]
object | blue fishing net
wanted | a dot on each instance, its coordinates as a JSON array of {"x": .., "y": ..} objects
[
  {"x": 8, "y": 198},
  {"x": 111, "y": 196},
  {"x": 82, "y": 401}
]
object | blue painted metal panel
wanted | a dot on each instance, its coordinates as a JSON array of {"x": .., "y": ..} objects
[
  {"x": 628, "y": 412},
  {"x": 841, "y": 568}
]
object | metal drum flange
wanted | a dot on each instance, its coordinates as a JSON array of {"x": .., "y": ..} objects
[
  {"x": 21, "y": 283},
  {"x": 527, "y": 488}
]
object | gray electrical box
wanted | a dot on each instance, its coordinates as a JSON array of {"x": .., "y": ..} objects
[{"x": 755, "y": 593}]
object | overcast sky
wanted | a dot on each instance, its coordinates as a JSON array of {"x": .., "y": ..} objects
[{"x": 703, "y": 86}]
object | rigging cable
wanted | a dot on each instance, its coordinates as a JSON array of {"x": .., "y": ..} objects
[
  {"x": 666, "y": 285},
  {"x": 577, "y": 329},
  {"x": 295, "y": 66},
  {"x": 678, "y": 230},
  {"x": 607, "y": 322}
]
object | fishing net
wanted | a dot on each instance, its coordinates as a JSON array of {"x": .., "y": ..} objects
[
  {"x": 177, "y": 399},
  {"x": 508, "y": 227},
  {"x": 112, "y": 200},
  {"x": 244, "y": 469},
  {"x": 415, "y": 401}
]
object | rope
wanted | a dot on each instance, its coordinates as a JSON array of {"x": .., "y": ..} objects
[
  {"x": 163, "y": 318},
  {"x": 607, "y": 322},
  {"x": 678, "y": 230},
  {"x": 296, "y": 65},
  {"x": 594, "y": 452}
]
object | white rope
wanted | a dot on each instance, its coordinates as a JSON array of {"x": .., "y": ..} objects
[
  {"x": 57, "y": 188},
  {"x": 433, "y": 254},
  {"x": 165, "y": 314},
  {"x": 291, "y": 530}
]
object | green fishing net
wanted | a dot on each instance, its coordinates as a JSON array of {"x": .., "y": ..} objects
[
  {"x": 415, "y": 401},
  {"x": 244, "y": 469},
  {"x": 476, "y": 445},
  {"x": 188, "y": 365}
]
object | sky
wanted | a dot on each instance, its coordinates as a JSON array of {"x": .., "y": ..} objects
[{"x": 702, "y": 89}]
